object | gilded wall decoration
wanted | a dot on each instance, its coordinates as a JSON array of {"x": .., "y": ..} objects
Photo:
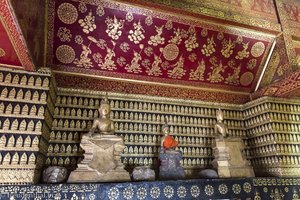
[
  {"x": 127, "y": 43},
  {"x": 23, "y": 105},
  {"x": 65, "y": 54},
  {"x": 67, "y": 13},
  {"x": 256, "y": 13}
]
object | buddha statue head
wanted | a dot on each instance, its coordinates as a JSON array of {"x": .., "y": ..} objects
[
  {"x": 219, "y": 115},
  {"x": 165, "y": 128},
  {"x": 104, "y": 108}
]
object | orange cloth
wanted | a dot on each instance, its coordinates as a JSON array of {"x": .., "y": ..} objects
[{"x": 169, "y": 142}]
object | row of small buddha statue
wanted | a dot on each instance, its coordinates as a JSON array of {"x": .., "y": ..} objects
[
  {"x": 273, "y": 160},
  {"x": 185, "y": 141},
  {"x": 24, "y": 94},
  {"x": 24, "y": 79},
  {"x": 66, "y": 101},
  {"x": 18, "y": 125},
  {"x": 19, "y": 141},
  {"x": 33, "y": 110}
]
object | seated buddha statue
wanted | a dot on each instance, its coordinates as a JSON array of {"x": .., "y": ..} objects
[
  {"x": 103, "y": 123},
  {"x": 170, "y": 168},
  {"x": 221, "y": 129},
  {"x": 168, "y": 143},
  {"x": 102, "y": 152}
]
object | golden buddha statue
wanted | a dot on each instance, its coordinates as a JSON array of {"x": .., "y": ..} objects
[
  {"x": 103, "y": 123},
  {"x": 221, "y": 129},
  {"x": 102, "y": 152}
]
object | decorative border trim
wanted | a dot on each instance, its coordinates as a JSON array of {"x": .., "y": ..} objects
[{"x": 15, "y": 34}]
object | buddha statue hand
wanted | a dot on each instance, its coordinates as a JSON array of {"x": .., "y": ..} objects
[{"x": 89, "y": 134}]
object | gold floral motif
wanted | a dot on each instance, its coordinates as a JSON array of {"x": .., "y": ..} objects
[
  {"x": 215, "y": 75},
  {"x": 134, "y": 66},
  {"x": 239, "y": 39},
  {"x": 124, "y": 46},
  {"x": 155, "y": 70},
  {"x": 246, "y": 78},
  {"x": 78, "y": 39},
  {"x": 67, "y": 13},
  {"x": 146, "y": 63},
  {"x": 171, "y": 52},
  {"x": 100, "y": 10},
  {"x": 136, "y": 35},
  {"x": 177, "y": 72},
  {"x": 233, "y": 79},
  {"x": 177, "y": 38},
  {"x": 209, "y": 47},
  {"x": 65, "y": 54},
  {"x": 129, "y": 17},
  {"x": 276, "y": 194},
  {"x": 84, "y": 60},
  {"x": 198, "y": 74},
  {"x": 114, "y": 27},
  {"x": 227, "y": 47},
  {"x": 191, "y": 43},
  {"x": 251, "y": 64},
  {"x": 169, "y": 25},
  {"x": 82, "y": 7},
  {"x": 257, "y": 49},
  {"x": 220, "y": 36},
  {"x": 157, "y": 39},
  {"x": 193, "y": 57},
  {"x": 149, "y": 20},
  {"x": 148, "y": 51},
  {"x": 64, "y": 34},
  {"x": 2, "y": 52},
  {"x": 243, "y": 53},
  {"x": 88, "y": 23},
  {"x": 204, "y": 32}
]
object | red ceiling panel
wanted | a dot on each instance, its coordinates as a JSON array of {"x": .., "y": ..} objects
[
  {"x": 120, "y": 41},
  {"x": 8, "y": 55}
]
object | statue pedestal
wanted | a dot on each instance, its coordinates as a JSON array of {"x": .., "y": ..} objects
[
  {"x": 229, "y": 160},
  {"x": 170, "y": 168},
  {"x": 101, "y": 161}
]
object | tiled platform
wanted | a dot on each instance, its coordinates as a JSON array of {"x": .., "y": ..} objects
[{"x": 265, "y": 188}]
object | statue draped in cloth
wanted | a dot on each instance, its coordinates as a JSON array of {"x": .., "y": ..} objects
[
  {"x": 101, "y": 161},
  {"x": 170, "y": 167}
]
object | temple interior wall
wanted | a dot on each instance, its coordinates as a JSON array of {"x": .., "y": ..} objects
[{"x": 41, "y": 125}]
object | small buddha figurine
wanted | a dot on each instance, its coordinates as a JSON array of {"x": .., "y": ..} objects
[
  {"x": 220, "y": 128},
  {"x": 103, "y": 123}
]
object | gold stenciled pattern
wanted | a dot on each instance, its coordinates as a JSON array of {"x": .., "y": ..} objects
[
  {"x": 273, "y": 138},
  {"x": 141, "y": 130},
  {"x": 23, "y": 100}
]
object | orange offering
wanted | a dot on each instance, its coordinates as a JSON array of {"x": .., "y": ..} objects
[{"x": 169, "y": 142}]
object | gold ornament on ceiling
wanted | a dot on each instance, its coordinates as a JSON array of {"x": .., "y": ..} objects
[
  {"x": 67, "y": 13},
  {"x": 65, "y": 54},
  {"x": 257, "y": 49},
  {"x": 2, "y": 52},
  {"x": 170, "y": 52},
  {"x": 246, "y": 78}
]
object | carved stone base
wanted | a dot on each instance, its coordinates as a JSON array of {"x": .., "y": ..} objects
[
  {"x": 229, "y": 160},
  {"x": 101, "y": 161},
  {"x": 93, "y": 176}
]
